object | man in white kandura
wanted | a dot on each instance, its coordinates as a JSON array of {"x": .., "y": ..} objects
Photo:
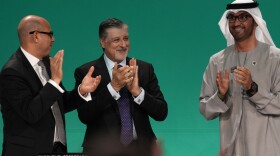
[{"x": 241, "y": 85}]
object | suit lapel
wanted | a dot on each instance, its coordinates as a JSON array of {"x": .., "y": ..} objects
[
  {"x": 101, "y": 69},
  {"x": 32, "y": 75},
  {"x": 46, "y": 61}
]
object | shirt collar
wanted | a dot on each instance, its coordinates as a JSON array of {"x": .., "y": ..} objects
[
  {"x": 31, "y": 59},
  {"x": 110, "y": 64}
]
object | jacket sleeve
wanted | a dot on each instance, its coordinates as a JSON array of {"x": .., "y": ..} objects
[
  {"x": 101, "y": 100},
  {"x": 17, "y": 94},
  {"x": 154, "y": 103}
]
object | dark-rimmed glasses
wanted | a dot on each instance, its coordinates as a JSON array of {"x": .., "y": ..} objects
[
  {"x": 241, "y": 18},
  {"x": 42, "y": 32}
]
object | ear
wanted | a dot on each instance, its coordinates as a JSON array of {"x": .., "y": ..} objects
[
  {"x": 35, "y": 37},
  {"x": 102, "y": 42}
]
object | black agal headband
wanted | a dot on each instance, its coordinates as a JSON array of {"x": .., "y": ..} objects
[{"x": 243, "y": 5}]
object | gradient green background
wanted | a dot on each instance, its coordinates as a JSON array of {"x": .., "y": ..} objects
[{"x": 176, "y": 36}]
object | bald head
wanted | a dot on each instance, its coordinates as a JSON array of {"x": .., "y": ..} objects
[
  {"x": 28, "y": 24},
  {"x": 35, "y": 36}
]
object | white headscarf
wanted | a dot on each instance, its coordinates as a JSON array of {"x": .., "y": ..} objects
[{"x": 262, "y": 33}]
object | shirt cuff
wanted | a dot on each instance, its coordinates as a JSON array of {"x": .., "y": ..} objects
[
  {"x": 112, "y": 91},
  {"x": 86, "y": 97},
  {"x": 140, "y": 98},
  {"x": 56, "y": 85}
]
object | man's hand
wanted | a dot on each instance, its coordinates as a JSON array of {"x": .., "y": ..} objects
[
  {"x": 56, "y": 66},
  {"x": 243, "y": 76},
  {"x": 121, "y": 76},
  {"x": 133, "y": 86},
  {"x": 89, "y": 83},
  {"x": 222, "y": 82}
]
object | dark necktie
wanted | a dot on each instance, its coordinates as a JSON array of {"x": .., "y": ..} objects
[
  {"x": 60, "y": 131},
  {"x": 126, "y": 120}
]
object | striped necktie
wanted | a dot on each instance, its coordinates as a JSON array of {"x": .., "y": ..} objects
[{"x": 60, "y": 131}]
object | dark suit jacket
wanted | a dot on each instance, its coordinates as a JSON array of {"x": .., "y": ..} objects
[
  {"x": 26, "y": 108},
  {"x": 101, "y": 115}
]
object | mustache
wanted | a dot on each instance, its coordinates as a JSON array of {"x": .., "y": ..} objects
[
  {"x": 121, "y": 49},
  {"x": 239, "y": 26}
]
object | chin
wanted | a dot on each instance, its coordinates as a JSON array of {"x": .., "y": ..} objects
[{"x": 121, "y": 56}]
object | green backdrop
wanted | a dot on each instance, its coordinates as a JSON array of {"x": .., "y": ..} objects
[{"x": 176, "y": 36}]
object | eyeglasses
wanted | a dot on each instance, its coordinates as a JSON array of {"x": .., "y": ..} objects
[
  {"x": 241, "y": 18},
  {"x": 42, "y": 32}
]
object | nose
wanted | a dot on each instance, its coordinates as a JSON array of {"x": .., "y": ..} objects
[
  {"x": 123, "y": 43},
  {"x": 237, "y": 22},
  {"x": 52, "y": 39}
]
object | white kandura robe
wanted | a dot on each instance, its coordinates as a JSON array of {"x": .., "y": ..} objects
[{"x": 249, "y": 126}]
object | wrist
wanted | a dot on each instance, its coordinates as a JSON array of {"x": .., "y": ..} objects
[
  {"x": 137, "y": 92},
  {"x": 81, "y": 91},
  {"x": 57, "y": 81},
  {"x": 222, "y": 97},
  {"x": 115, "y": 87},
  {"x": 247, "y": 87}
]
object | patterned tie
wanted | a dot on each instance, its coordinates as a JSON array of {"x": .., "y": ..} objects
[
  {"x": 60, "y": 131},
  {"x": 126, "y": 121}
]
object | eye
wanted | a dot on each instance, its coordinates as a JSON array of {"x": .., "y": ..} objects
[
  {"x": 243, "y": 17},
  {"x": 231, "y": 17},
  {"x": 125, "y": 38},
  {"x": 116, "y": 40}
]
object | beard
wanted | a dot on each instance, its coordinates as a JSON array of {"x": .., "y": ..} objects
[
  {"x": 241, "y": 33},
  {"x": 121, "y": 54}
]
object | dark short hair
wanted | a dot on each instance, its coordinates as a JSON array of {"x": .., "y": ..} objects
[{"x": 109, "y": 23}]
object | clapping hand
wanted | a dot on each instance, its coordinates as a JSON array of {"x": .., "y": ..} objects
[
  {"x": 89, "y": 83},
  {"x": 121, "y": 77},
  {"x": 56, "y": 66},
  {"x": 133, "y": 86},
  {"x": 222, "y": 81}
]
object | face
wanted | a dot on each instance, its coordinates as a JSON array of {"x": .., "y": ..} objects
[
  {"x": 241, "y": 25},
  {"x": 116, "y": 45},
  {"x": 45, "y": 40}
]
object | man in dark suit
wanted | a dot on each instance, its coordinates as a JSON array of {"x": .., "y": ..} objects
[
  {"x": 33, "y": 100},
  {"x": 122, "y": 77}
]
